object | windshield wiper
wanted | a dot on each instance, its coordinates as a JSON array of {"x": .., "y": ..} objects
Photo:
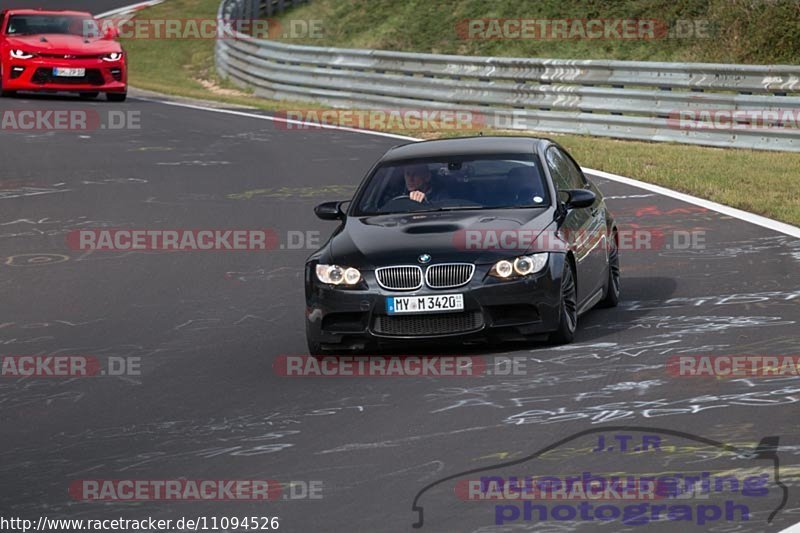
[
  {"x": 435, "y": 210},
  {"x": 455, "y": 208}
]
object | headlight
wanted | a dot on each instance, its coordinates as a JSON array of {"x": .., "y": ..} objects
[
  {"x": 519, "y": 266},
  {"x": 21, "y": 54},
  {"x": 113, "y": 56},
  {"x": 338, "y": 275},
  {"x": 503, "y": 269}
]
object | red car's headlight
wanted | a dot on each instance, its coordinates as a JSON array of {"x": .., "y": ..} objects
[
  {"x": 113, "y": 56},
  {"x": 21, "y": 54}
]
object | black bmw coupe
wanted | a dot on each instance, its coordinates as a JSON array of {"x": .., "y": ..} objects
[{"x": 478, "y": 238}]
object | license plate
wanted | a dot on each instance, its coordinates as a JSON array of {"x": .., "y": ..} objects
[
  {"x": 69, "y": 72},
  {"x": 396, "y": 305}
]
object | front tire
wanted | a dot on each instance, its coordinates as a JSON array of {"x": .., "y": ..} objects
[
  {"x": 315, "y": 348},
  {"x": 568, "y": 315},
  {"x": 89, "y": 96},
  {"x": 116, "y": 97},
  {"x": 312, "y": 341},
  {"x": 612, "y": 290},
  {"x": 4, "y": 93}
]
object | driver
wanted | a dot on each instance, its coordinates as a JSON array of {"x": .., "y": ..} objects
[{"x": 418, "y": 183}]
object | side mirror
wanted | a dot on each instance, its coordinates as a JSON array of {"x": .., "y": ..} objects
[
  {"x": 579, "y": 198},
  {"x": 110, "y": 33},
  {"x": 330, "y": 211}
]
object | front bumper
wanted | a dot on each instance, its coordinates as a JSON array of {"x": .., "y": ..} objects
[
  {"x": 36, "y": 74},
  {"x": 348, "y": 319}
]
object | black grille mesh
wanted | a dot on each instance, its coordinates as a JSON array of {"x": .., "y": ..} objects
[
  {"x": 44, "y": 76},
  {"x": 421, "y": 325}
]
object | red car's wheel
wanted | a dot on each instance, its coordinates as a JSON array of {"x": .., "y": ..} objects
[
  {"x": 4, "y": 92},
  {"x": 116, "y": 97}
]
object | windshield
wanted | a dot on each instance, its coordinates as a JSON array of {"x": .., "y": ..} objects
[
  {"x": 83, "y": 26},
  {"x": 454, "y": 183}
]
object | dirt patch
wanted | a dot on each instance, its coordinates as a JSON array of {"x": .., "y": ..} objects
[{"x": 222, "y": 91}]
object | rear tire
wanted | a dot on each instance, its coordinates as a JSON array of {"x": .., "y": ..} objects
[
  {"x": 568, "y": 313},
  {"x": 116, "y": 97},
  {"x": 612, "y": 291}
]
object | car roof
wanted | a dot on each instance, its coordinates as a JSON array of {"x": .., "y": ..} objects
[
  {"x": 482, "y": 145},
  {"x": 47, "y": 12}
]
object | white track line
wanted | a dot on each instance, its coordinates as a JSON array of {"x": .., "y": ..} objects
[
  {"x": 751, "y": 218},
  {"x": 758, "y": 220},
  {"x": 281, "y": 120}
]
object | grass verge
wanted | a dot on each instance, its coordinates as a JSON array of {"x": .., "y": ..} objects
[
  {"x": 766, "y": 183},
  {"x": 716, "y": 31}
]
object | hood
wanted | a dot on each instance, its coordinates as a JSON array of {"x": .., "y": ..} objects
[
  {"x": 449, "y": 236},
  {"x": 56, "y": 43}
]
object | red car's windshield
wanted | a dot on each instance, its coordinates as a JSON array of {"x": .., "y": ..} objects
[{"x": 84, "y": 26}]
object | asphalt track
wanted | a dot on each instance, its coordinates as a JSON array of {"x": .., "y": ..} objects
[{"x": 208, "y": 326}]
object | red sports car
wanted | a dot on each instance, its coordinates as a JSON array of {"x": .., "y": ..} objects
[{"x": 51, "y": 51}]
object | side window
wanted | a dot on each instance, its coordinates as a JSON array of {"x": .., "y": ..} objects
[
  {"x": 557, "y": 164},
  {"x": 565, "y": 173},
  {"x": 575, "y": 175}
]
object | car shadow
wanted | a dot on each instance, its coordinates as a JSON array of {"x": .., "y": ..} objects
[
  {"x": 55, "y": 97},
  {"x": 596, "y": 324},
  {"x": 600, "y": 323}
]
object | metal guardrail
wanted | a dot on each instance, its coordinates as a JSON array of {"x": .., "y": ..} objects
[
  {"x": 622, "y": 99},
  {"x": 252, "y": 9}
]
